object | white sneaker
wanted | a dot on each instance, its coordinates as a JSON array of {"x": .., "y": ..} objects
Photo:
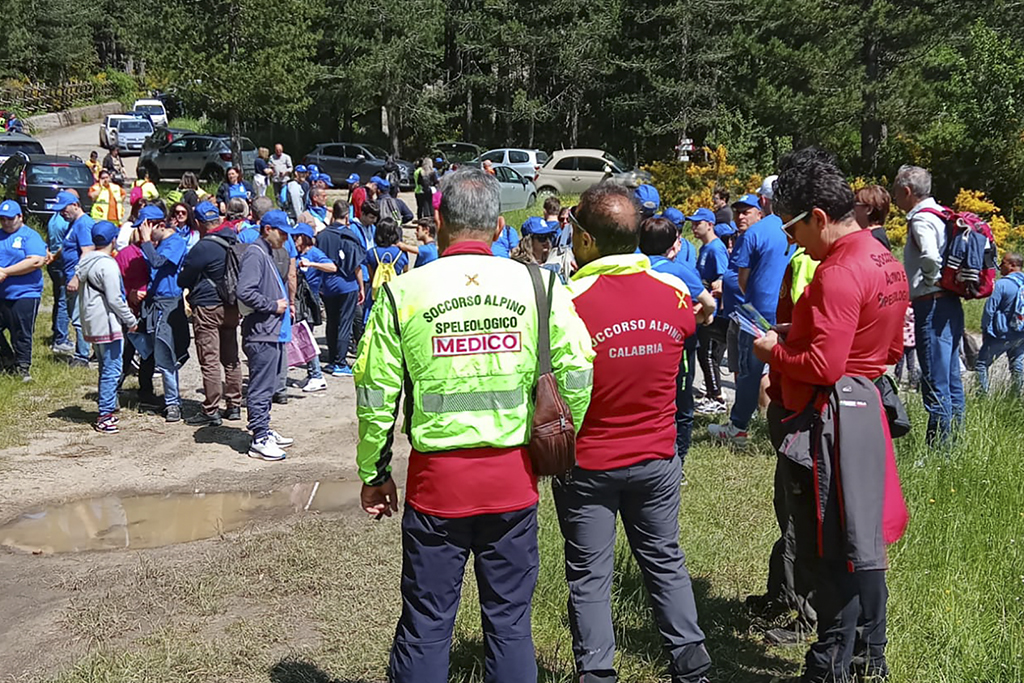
[
  {"x": 315, "y": 384},
  {"x": 266, "y": 449},
  {"x": 711, "y": 406},
  {"x": 729, "y": 434},
  {"x": 282, "y": 441}
]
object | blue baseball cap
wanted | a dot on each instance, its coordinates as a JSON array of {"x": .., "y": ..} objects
[
  {"x": 377, "y": 180},
  {"x": 439, "y": 160},
  {"x": 206, "y": 212},
  {"x": 675, "y": 215},
  {"x": 277, "y": 219},
  {"x": 749, "y": 200},
  {"x": 533, "y": 224},
  {"x": 702, "y": 215},
  {"x": 149, "y": 213},
  {"x": 352, "y": 179},
  {"x": 303, "y": 229},
  {"x": 313, "y": 168},
  {"x": 10, "y": 208},
  {"x": 648, "y": 197},
  {"x": 314, "y": 176},
  {"x": 325, "y": 178},
  {"x": 383, "y": 184},
  {"x": 103, "y": 233},
  {"x": 301, "y": 169},
  {"x": 64, "y": 200},
  {"x": 724, "y": 229}
]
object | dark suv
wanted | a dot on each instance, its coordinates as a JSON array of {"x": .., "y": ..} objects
[
  {"x": 208, "y": 156},
  {"x": 34, "y": 180},
  {"x": 11, "y": 143},
  {"x": 340, "y": 159}
]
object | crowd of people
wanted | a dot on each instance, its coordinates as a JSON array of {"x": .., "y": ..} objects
[{"x": 794, "y": 287}]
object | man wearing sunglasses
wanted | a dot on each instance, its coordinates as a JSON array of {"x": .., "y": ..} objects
[
  {"x": 838, "y": 475},
  {"x": 639, "y": 321}
]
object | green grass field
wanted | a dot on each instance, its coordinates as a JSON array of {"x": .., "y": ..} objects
[{"x": 317, "y": 602}]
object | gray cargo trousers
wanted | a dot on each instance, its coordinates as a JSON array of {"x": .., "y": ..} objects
[{"x": 646, "y": 496}]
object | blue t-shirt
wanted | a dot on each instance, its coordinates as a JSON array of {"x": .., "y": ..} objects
[
  {"x": 388, "y": 255},
  {"x": 712, "y": 263},
  {"x": 315, "y": 277},
  {"x": 56, "y": 231},
  {"x": 163, "y": 278},
  {"x": 683, "y": 271},
  {"x": 366, "y": 233},
  {"x": 79, "y": 235},
  {"x": 765, "y": 250},
  {"x": 687, "y": 252},
  {"x": 14, "y": 248},
  {"x": 504, "y": 245},
  {"x": 427, "y": 253}
]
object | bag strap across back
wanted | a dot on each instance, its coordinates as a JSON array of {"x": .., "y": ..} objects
[{"x": 543, "y": 319}]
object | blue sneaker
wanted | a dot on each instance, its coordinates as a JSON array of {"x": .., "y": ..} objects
[
  {"x": 328, "y": 369},
  {"x": 342, "y": 371}
]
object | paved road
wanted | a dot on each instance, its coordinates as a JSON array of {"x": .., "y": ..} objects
[{"x": 80, "y": 141}]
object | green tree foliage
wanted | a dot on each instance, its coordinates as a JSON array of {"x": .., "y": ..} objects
[{"x": 879, "y": 82}]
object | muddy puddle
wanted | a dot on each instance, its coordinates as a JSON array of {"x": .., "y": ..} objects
[{"x": 157, "y": 520}]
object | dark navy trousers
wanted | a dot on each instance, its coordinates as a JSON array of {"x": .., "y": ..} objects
[
  {"x": 684, "y": 400},
  {"x": 646, "y": 496},
  {"x": 434, "y": 555}
]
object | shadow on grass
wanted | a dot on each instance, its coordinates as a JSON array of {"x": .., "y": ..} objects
[
  {"x": 467, "y": 663},
  {"x": 299, "y": 671},
  {"x": 735, "y": 653},
  {"x": 74, "y": 414}
]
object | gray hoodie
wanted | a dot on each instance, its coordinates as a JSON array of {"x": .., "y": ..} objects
[{"x": 101, "y": 298}]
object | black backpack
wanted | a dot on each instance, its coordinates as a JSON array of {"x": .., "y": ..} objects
[
  {"x": 228, "y": 285},
  {"x": 307, "y": 304}
]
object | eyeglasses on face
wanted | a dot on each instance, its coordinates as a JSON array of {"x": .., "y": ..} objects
[{"x": 788, "y": 227}]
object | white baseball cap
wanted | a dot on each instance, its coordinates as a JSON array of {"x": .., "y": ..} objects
[{"x": 768, "y": 187}]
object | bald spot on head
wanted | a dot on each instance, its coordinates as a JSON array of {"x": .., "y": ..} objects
[{"x": 611, "y": 216}]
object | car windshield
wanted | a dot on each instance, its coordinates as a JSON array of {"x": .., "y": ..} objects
[
  {"x": 153, "y": 109},
  {"x": 28, "y": 147},
  {"x": 542, "y": 157},
  {"x": 59, "y": 174},
  {"x": 375, "y": 151},
  {"x": 135, "y": 126},
  {"x": 619, "y": 166}
]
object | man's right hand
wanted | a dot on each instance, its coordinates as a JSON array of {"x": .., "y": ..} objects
[
  {"x": 380, "y": 501},
  {"x": 282, "y": 306},
  {"x": 73, "y": 285}
]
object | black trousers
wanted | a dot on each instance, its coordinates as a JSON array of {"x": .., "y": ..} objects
[
  {"x": 790, "y": 583},
  {"x": 341, "y": 314},
  {"x": 17, "y": 318},
  {"x": 424, "y": 205},
  {"x": 851, "y": 605},
  {"x": 711, "y": 350}
]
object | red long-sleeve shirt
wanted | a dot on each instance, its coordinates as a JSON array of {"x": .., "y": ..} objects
[{"x": 848, "y": 322}]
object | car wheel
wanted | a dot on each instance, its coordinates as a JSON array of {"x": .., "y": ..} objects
[
  {"x": 547, "y": 191},
  {"x": 213, "y": 173},
  {"x": 531, "y": 201}
]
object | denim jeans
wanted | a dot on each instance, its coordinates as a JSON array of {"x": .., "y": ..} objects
[
  {"x": 168, "y": 368},
  {"x": 748, "y": 381},
  {"x": 109, "y": 356},
  {"x": 939, "y": 327},
  {"x": 991, "y": 349},
  {"x": 313, "y": 370},
  {"x": 81, "y": 346},
  {"x": 60, "y": 319}
]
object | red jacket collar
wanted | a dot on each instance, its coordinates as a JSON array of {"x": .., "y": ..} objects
[{"x": 468, "y": 247}]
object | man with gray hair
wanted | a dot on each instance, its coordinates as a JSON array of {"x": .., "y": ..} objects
[
  {"x": 460, "y": 335},
  {"x": 938, "y": 313}
]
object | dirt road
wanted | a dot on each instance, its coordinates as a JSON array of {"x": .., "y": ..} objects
[{"x": 80, "y": 141}]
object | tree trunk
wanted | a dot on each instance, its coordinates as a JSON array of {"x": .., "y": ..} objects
[
  {"x": 234, "y": 123},
  {"x": 235, "y": 130},
  {"x": 870, "y": 126}
]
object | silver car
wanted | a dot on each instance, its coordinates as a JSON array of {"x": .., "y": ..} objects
[
  {"x": 131, "y": 133},
  {"x": 517, "y": 191},
  {"x": 526, "y": 161}
]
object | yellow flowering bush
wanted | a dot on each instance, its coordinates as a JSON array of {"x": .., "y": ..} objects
[
  {"x": 688, "y": 186},
  {"x": 1007, "y": 236}
]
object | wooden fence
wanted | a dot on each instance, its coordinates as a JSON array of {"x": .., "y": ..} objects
[{"x": 31, "y": 98}]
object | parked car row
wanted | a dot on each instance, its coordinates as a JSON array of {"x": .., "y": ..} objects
[
  {"x": 341, "y": 159},
  {"x": 33, "y": 180},
  {"x": 169, "y": 153}
]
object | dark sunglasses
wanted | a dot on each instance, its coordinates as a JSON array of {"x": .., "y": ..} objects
[{"x": 575, "y": 221}]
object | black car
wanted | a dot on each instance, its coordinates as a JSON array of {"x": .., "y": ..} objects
[
  {"x": 34, "y": 180},
  {"x": 341, "y": 159},
  {"x": 456, "y": 152},
  {"x": 11, "y": 143}
]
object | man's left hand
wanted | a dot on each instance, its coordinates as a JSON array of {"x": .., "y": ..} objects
[
  {"x": 380, "y": 500},
  {"x": 763, "y": 346}
]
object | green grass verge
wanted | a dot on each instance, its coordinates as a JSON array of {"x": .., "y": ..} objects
[
  {"x": 973, "y": 309},
  {"x": 319, "y": 600}
]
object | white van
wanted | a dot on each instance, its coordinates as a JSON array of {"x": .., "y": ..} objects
[{"x": 154, "y": 109}]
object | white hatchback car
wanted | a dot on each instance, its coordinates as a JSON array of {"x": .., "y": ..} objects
[
  {"x": 154, "y": 109},
  {"x": 526, "y": 161},
  {"x": 108, "y": 129}
]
